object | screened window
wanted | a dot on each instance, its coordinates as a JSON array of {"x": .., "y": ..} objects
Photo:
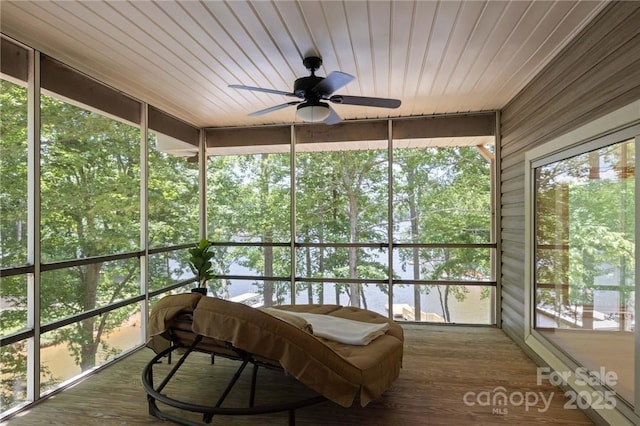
[
  {"x": 90, "y": 183},
  {"x": 412, "y": 233},
  {"x": 90, "y": 208},
  {"x": 173, "y": 191},
  {"x": 74, "y": 258},
  {"x": 13, "y": 205},
  {"x": 249, "y": 202},
  {"x": 14, "y": 237},
  {"x": 341, "y": 194},
  {"x": 442, "y": 192},
  {"x": 13, "y": 174},
  {"x": 342, "y": 197}
]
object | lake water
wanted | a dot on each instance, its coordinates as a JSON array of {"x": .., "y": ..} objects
[{"x": 473, "y": 309}]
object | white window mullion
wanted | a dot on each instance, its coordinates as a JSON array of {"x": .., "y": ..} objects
[
  {"x": 637, "y": 274},
  {"x": 496, "y": 226},
  {"x": 202, "y": 184},
  {"x": 144, "y": 216},
  {"x": 33, "y": 224},
  {"x": 292, "y": 225},
  {"x": 390, "y": 216}
]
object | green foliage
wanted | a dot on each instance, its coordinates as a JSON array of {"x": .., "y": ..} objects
[
  {"x": 90, "y": 206},
  {"x": 13, "y": 174},
  {"x": 200, "y": 261},
  {"x": 173, "y": 199},
  {"x": 341, "y": 197},
  {"x": 443, "y": 196},
  {"x": 13, "y": 375}
]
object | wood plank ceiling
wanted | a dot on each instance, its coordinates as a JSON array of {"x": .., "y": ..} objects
[{"x": 180, "y": 56}]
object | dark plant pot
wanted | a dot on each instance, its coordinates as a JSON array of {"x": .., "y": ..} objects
[{"x": 201, "y": 290}]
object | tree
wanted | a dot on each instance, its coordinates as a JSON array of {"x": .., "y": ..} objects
[
  {"x": 13, "y": 241},
  {"x": 259, "y": 187},
  {"x": 444, "y": 194},
  {"x": 88, "y": 157},
  {"x": 342, "y": 198},
  {"x": 13, "y": 172},
  {"x": 317, "y": 205},
  {"x": 173, "y": 212},
  {"x": 90, "y": 206}
]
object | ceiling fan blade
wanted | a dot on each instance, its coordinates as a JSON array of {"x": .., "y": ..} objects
[
  {"x": 273, "y": 108},
  {"x": 260, "y": 89},
  {"x": 333, "y": 117},
  {"x": 334, "y": 81},
  {"x": 366, "y": 101}
]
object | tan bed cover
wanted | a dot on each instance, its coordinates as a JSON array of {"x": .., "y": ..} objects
[{"x": 337, "y": 371}]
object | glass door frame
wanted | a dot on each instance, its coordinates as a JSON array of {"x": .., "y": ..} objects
[{"x": 620, "y": 125}]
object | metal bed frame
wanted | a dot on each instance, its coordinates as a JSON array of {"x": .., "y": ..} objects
[{"x": 154, "y": 393}]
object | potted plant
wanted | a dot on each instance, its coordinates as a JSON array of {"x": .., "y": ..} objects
[{"x": 200, "y": 264}]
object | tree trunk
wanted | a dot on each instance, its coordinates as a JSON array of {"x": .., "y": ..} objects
[
  {"x": 353, "y": 258},
  {"x": 268, "y": 237},
  {"x": 309, "y": 274},
  {"x": 321, "y": 266},
  {"x": 88, "y": 346},
  {"x": 268, "y": 272},
  {"x": 413, "y": 217},
  {"x": 444, "y": 303},
  {"x": 89, "y": 279}
]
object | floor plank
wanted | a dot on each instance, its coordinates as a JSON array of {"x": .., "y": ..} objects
[{"x": 442, "y": 366}]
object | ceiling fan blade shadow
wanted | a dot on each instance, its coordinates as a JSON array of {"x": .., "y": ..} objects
[
  {"x": 260, "y": 89},
  {"x": 333, "y": 117},
  {"x": 334, "y": 81},
  {"x": 273, "y": 108},
  {"x": 365, "y": 101}
]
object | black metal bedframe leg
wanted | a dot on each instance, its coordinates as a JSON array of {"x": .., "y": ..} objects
[
  {"x": 252, "y": 393},
  {"x": 147, "y": 375},
  {"x": 233, "y": 381},
  {"x": 292, "y": 417},
  {"x": 208, "y": 417},
  {"x": 179, "y": 363}
]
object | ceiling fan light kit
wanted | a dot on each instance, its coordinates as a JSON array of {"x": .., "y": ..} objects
[
  {"x": 314, "y": 89},
  {"x": 313, "y": 113}
]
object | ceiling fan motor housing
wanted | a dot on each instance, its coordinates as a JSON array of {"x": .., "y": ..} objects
[{"x": 303, "y": 85}]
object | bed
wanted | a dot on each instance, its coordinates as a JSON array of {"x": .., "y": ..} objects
[{"x": 279, "y": 337}]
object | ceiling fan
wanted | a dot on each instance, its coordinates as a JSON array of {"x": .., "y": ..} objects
[{"x": 312, "y": 90}]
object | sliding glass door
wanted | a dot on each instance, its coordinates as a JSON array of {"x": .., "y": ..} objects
[{"x": 582, "y": 219}]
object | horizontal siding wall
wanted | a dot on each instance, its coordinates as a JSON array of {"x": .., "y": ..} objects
[{"x": 597, "y": 73}]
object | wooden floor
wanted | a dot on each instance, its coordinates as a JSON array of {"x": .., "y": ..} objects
[{"x": 444, "y": 366}]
